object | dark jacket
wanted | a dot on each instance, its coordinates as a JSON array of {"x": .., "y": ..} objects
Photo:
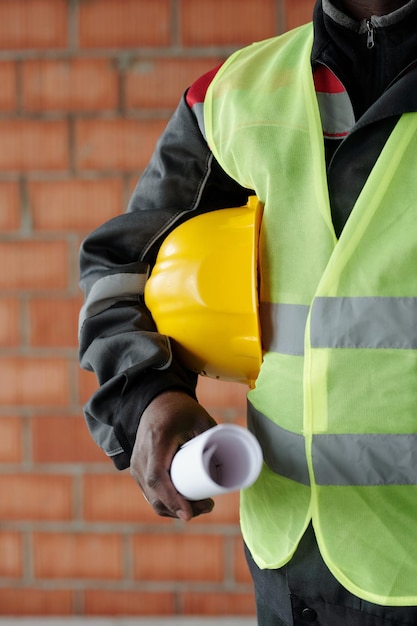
[{"x": 118, "y": 340}]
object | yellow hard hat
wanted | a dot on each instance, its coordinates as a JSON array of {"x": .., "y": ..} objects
[{"x": 203, "y": 293}]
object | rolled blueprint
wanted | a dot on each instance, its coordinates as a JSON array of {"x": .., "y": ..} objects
[{"x": 222, "y": 459}]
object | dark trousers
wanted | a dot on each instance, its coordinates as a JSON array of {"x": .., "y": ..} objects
[
  {"x": 265, "y": 616},
  {"x": 305, "y": 592}
]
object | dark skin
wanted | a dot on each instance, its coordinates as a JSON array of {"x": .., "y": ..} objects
[
  {"x": 170, "y": 420},
  {"x": 174, "y": 417},
  {"x": 364, "y": 9}
]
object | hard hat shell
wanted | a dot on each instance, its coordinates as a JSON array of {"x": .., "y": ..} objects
[{"x": 203, "y": 293}]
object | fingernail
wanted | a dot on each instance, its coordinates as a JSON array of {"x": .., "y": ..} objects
[
  {"x": 206, "y": 510},
  {"x": 182, "y": 515}
]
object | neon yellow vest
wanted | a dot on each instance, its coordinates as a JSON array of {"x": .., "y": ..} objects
[{"x": 335, "y": 404}]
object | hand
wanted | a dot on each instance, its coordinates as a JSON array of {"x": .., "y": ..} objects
[{"x": 170, "y": 420}]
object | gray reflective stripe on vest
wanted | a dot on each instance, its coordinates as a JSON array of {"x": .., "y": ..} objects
[
  {"x": 283, "y": 327},
  {"x": 376, "y": 322},
  {"x": 283, "y": 450},
  {"x": 365, "y": 460},
  {"x": 339, "y": 460},
  {"x": 364, "y": 323}
]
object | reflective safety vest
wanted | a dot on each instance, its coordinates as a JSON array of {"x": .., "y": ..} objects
[{"x": 335, "y": 404}]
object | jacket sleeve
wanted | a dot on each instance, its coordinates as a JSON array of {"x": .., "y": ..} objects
[{"x": 118, "y": 339}]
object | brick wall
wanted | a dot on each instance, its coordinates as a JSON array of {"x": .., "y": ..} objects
[{"x": 87, "y": 87}]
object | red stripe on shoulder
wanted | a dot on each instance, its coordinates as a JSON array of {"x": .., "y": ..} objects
[
  {"x": 325, "y": 81},
  {"x": 197, "y": 92}
]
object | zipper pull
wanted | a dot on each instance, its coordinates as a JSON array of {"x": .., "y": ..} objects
[{"x": 370, "y": 42}]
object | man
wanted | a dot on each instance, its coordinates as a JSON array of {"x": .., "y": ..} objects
[{"x": 337, "y": 261}]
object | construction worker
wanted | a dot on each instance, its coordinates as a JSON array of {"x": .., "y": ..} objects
[{"x": 320, "y": 124}]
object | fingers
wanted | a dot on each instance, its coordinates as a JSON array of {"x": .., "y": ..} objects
[
  {"x": 161, "y": 494},
  {"x": 202, "y": 507},
  {"x": 185, "y": 513},
  {"x": 169, "y": 421},
  {"x": 167, "y": 502}
]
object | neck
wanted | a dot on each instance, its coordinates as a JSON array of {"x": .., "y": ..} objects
[{"x": 364, "y": 9}]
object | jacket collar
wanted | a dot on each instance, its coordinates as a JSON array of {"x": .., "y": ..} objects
[
  {"x": 340, "y": 43},
  {"x": 333, "y": 9}
]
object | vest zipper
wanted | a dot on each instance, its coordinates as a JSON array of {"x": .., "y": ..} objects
[{"x": 370, "y": 42}]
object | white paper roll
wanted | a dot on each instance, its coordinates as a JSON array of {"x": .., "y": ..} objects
[{"x": 222, "y": 459}]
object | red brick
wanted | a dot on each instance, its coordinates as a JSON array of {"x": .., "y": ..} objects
[
  {"x": 181, "y": 558},
  {"x": 9, "y": 322},
  {"x": 218, "y": 603},
  {"x": 33, "y": 144},
  {"x": 35, "y": 602},
  {"x": 298, "y": 13},
  {"x": 63, "y": 439},
  {"x": 160, "y": 83},
  {"x": 11, "y": 551},
  {"x": 63, "y": 330},
  {"x": 70, "y": 85},
  {"x": 9, "y": 206},
  {"x": 117, "y": 498},
  {"x": 75, "y": 204},
  {"x": 34, "y": 265},
  {"x": 33, "y": 24},
  {"x": 35, "y": 497},
  {"x": 230, "y": 22},
  {"x": 109, "y": 602},
  {"x": 116, "y": 144},
  {"x": 60, "y": 555},
  {"x": 34, "y": 381},
  {"x": 115, "y": 24},
  {"x": 8, "y": 85},
  {"x": 9, "y": 217},
  {"x": 10, "y": 439}
]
